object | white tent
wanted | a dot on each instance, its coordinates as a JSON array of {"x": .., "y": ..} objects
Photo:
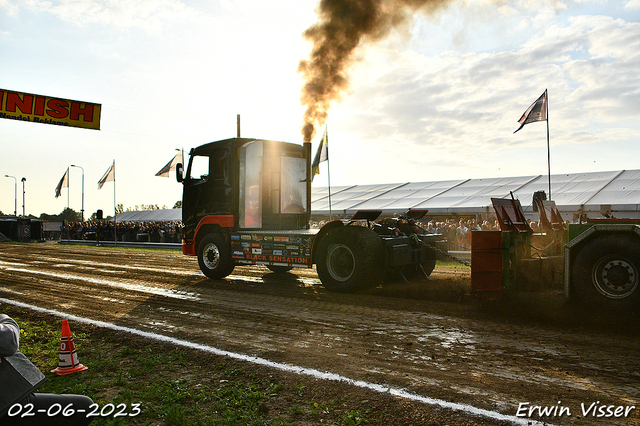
[
  {"x": 159, "y": 215},
  {"x": 591, "y": 193}
]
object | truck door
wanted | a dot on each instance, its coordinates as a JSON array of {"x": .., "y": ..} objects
[
  {"x": 273, "y": 191},
  {"x": 207, "y": 185}
]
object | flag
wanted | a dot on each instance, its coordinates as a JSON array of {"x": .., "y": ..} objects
[
  {"x": 109, "y": 175},
  {"x": 171, "y": 165},
  {"x": 536, "y": 112},
  {"x": 64, "y": 183},
  {"x": 321, "y": 155}
]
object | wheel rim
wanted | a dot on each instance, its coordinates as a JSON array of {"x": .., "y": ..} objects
[
  {"x": 615, "y": 277},
  {"x": 341, "y": 262},
  {"x": 211, "y": 256}
]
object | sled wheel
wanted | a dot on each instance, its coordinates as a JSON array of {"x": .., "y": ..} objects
[{"x": 606, "y": 272}]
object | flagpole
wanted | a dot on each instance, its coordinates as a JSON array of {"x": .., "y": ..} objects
[
  {"x": 546, "y": 95},
  {"x": 115, "y": 220},
  {"x": 326, "y": 130}
]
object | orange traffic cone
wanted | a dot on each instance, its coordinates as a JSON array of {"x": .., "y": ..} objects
[{"x": 68, "y": 362}]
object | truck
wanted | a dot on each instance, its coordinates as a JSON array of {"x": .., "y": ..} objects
[
  {"x": 594, "y": 262},
  {"x": 248, "y": 202}
]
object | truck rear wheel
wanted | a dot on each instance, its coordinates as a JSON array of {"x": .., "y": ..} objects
[
  {"x": 214, "y": 257},
  {"x": 606, "y": 272},
  {"x": 349, "y": 259}
]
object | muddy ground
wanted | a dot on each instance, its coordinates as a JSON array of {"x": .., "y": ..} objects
[{"x": 427, "y": 338}]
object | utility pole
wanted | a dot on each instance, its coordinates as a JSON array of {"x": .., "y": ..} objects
[
  {"x": 82, "y": 210},
  {"x": 15, "y": 195},
  {"x": 24, "y": 179}
]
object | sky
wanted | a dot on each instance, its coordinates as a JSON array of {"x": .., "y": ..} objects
[{"x": 438, "y": 99}]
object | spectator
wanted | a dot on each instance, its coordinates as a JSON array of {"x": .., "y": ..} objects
[
  {"x": 163, "y": 232},
  {"x": 461, "y": 234},
  {"x": 20, "y": 378}
]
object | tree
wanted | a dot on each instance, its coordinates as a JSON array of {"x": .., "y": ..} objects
[
  {"x": 67, "y": 214},
  {"x": 70, "y": 215},
  {"x": 178, "y": 204}
]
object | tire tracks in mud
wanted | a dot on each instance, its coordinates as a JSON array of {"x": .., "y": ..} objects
[{"x": 291, "y": 319}]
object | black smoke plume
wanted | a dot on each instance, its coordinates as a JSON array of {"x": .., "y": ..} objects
[{"x": 343, "y": 25}]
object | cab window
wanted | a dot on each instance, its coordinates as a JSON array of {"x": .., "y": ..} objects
[{"x": 199, "y": 168}]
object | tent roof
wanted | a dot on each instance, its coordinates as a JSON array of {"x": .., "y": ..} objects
[
  {"x": 613, "y": 190},
  {"x": 160, "y": 215},
  {"x": 619, "y": 189}
]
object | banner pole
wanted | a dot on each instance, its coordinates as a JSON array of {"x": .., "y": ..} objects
[
  {"x": 548, "y": 145},
  {"x": 328, "y": 172},
  {"x": 309, "y": 178},
  {"x": 115, "y": 217}
]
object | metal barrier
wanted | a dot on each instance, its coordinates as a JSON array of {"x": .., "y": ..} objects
[{"x": 130, "y": 244}]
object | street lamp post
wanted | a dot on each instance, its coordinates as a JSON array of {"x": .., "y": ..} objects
[
  {"x": 82, "y": 210},
  {"x": 15, "y": 195},
  {"x": 23, "y": 180}
]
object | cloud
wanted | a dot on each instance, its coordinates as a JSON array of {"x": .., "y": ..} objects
[
  {"x": 10, "y": 8},
  {"x": 589, "y": 66},
  {"x": 147, "y": 15},
  {"x": 632, "y": 4}
]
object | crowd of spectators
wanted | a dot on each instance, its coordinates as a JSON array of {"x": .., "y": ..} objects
[
  {"x": 155, "y": 232},
  {"x": 456, "y": 231}
]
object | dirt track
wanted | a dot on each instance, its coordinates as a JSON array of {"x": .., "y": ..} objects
[{"x": 428, "y": 337}]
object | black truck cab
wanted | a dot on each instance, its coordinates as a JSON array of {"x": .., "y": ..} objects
[
  {"x": 261, "y": 183},
  {"x": 247, "y": 202}
]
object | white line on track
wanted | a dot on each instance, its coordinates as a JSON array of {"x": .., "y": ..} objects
[
  {"x": 132, "y": 287},
  {"x": 469, "y": 409}
]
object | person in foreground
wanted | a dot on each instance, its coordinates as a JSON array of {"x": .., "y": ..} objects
[{"x": 19, "y": 378}]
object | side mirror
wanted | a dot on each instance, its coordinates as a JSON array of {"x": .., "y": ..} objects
[{"x": 179, "y": 172}]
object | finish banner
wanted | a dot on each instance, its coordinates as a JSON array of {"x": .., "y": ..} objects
[{"x": 48, "y": 110}]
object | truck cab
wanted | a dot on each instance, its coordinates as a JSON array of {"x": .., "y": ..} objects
[
  {"x": 248, "y": 201},
  {"x": 253, "y": 184}
]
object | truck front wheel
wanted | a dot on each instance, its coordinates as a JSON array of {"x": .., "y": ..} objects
[
  {"x": 214, "y": 257},
  {"x": 606, "y": 272},
  {"x": 349, "y": 259}
]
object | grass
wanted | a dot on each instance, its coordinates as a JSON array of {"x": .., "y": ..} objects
[
  {"x": 451, "y": 264},
  {"x": 171, "y": 385}
]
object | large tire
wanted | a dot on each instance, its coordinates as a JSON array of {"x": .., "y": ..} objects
[
  {"x": 349, "y": 259},
  {"x": 214, "y": 257},
  {"x": 606, "y": 272}
]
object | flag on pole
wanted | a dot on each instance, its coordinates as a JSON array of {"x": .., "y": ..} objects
[
  {"x": 110, "y": 175},
  {"x": 171, "y": 165},
  {"x": 322, "y": 154},
  {"x": 64, "y": 183},
  {"x": 536, "y": 112}
]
